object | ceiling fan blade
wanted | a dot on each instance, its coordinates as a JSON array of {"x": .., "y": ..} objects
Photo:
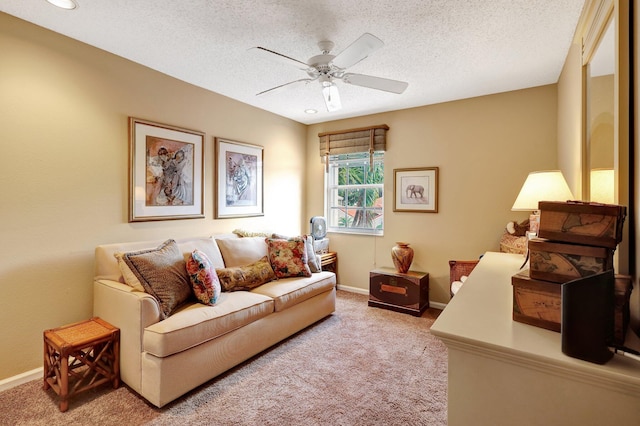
[
  {"x": 331, "y": 97},
  {"x": 270, "y": 54},
  {"x": 379, "y": 83},
  {"x": 357, "y": 51},
  {"x": 273, "y": 89}
]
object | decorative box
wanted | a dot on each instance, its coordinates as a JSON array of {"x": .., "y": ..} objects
[
  {"x": 539, "y": 303},
  {"x": 408, "y": 293},
  {"x": 582, "y": 223},
  {"x": 535, "y": 302},
  {"x": 623, "y": 287},
  {"x": 561, "y": 262}
]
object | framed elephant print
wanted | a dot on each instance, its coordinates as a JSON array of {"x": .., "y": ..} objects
[{"x": 415, "y": 190}]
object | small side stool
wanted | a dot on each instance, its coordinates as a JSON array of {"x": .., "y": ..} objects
[
  {"x": 329, "y": 261},
  {"x": 81, "y": 356}
]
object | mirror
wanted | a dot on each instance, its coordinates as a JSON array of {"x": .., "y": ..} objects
[
  {"x": 600, "y": 130},
  {"x": 606, "y": 129}
]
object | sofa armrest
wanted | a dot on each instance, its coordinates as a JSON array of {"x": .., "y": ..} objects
[{"x": 131, "y": 311}]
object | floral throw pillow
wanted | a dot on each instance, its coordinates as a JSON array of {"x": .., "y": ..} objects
[
  {"x": 288, "y": 258},
  {"x": 204, "y": 280}
]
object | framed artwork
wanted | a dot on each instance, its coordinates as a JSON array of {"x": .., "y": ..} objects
[
  {"x": 416, "y": 190},
  {"x": 238, "y": 180},
  {"x": 165, "y": 172}
]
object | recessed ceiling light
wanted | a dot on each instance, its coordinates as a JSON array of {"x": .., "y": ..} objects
[
  {"x": 311, "y": 111},
  {"x": 64, "y": 4}
]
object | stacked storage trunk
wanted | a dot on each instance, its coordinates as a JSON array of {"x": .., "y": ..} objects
[{"x": 576, "y": 240}]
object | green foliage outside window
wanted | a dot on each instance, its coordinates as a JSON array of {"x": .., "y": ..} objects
[{"x": 355, "y": 193}]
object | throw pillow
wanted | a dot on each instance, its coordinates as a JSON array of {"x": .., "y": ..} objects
[
  {"x": 204, "y": 280},
  {"x": 243, "y": 233},
  {"x": 241, "y": 251},
  {"x": 246, "y": 277},
  {"x": 312, "y": 259},
  {"x": 163, "y": 274},
  {"x": 288, "y": 258},
  {"x": 129, "y": 277}
]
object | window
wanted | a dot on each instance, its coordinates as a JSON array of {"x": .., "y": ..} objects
[{"x": 355, "y": 188}]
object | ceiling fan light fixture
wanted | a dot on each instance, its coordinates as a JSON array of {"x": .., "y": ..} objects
[
  {"x": 64, "y": 4},
  {"x": 331, "y": 97}
]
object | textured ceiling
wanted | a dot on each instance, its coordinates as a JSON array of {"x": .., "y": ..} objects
[{"x": 446, "y": 50}]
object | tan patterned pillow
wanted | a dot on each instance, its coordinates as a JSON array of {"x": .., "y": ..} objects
[
  {"x": 246, "y": 277},
  {"x": 288, "y": 258},
  {"x": 163, "y": 274},
  {"x": 243, "y": 233}
]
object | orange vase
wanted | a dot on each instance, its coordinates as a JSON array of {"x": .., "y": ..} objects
[{"x": 402, "y": 256}]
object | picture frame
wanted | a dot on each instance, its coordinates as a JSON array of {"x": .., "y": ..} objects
[
  {"x": 416, "y": 190},
  {"x": 166, "y": 172},
  {"x": 239, "y": 179}
]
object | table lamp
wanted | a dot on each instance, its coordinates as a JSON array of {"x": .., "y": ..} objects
[{"x": 547, "y": 185}]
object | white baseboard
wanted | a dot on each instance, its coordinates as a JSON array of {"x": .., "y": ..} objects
[
  {"x": 434, "y": 305},
  {"x": 353, "y": 289},
  {"x": 12, "y": 382}
]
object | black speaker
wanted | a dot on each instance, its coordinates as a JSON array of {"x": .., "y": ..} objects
[{"x": 587, "y": 317}]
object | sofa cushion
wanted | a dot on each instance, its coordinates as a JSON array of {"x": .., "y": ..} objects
[
  {"x": 195, "y": 323},
  {"x": 288, "y": 292},
  {"x": 163, "y": 274},
  {"x": 106, "y": 265},
  {"x": 246, "y": 277},
  {"x": 203, "y": 278},
  {"x": 241, "y": 251},
  {"x": 288, "y": 258},
  {"x": 207, "y": 245}
]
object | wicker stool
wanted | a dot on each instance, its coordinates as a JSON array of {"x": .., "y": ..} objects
[{"x": 81, "y": 356}]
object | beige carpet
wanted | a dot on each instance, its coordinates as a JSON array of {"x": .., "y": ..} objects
[{"x": 360, "y": 366}]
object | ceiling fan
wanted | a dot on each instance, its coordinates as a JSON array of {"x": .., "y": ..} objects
[{"x": 327, "y": 68}]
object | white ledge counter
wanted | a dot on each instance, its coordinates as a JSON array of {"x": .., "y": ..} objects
[{"x": 503, "y": 372}]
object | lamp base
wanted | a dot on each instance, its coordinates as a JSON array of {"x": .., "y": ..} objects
[{"x": 534, "y": 223}]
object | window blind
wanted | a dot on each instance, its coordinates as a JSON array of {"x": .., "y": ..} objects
[{"x": 363, "y": 139}]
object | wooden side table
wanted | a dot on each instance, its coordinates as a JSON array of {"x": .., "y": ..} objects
[
  {"x": 329, "y": 262},
  {"x": 81, "y": 356},
  {"x": 408, "y": 293}
]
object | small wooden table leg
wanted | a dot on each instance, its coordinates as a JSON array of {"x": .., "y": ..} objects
[
  {"x": 64, "y": 382},
  {"x": 116, "y": 361}
]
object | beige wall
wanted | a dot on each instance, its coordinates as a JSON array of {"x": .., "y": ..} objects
[
  {"x": 63, "y": 132},
  {"x": 484, "y": 148}
]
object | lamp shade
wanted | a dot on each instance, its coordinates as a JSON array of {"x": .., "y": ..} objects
[
  {"x": 602, "y": 186},
  {"x": 548, "y": 185}
]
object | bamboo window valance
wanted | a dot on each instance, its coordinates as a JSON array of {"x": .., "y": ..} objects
[{"x": 363, "y": 139}]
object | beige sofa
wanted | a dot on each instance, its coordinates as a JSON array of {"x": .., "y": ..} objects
[{"x": 163, "y": 359}]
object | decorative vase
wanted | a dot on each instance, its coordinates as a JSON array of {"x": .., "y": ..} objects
[{"x": 402, "y": 256}]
